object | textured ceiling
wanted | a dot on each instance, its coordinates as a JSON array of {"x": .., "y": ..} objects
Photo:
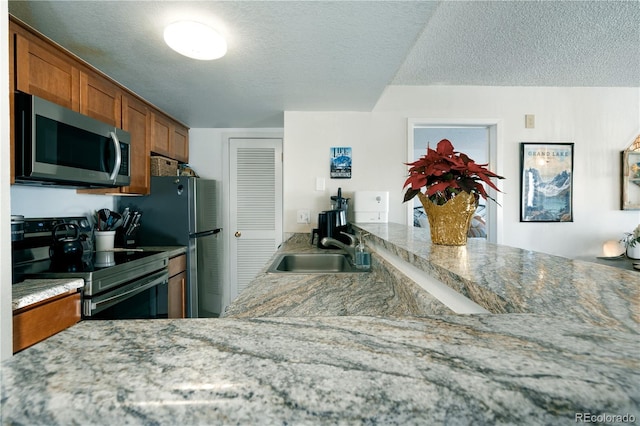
[{"x": 340, "y": 55}]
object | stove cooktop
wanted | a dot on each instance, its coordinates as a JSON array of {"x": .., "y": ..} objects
[
  {"x": 96, "y": 262},
  {"x": 99, "y": 270}
]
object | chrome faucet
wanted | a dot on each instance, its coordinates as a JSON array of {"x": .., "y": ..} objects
[{"x": 350, "y": 249}]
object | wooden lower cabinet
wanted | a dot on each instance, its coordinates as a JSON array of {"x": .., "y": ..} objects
[
  {"x": 177, "y": 286},
  {"x": 37, "y": 322}
]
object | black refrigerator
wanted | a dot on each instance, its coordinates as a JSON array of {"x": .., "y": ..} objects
[{"x": 184, "y": 211}]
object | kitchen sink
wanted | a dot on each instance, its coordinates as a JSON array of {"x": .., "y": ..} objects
[{"x": 313, "y": 263}]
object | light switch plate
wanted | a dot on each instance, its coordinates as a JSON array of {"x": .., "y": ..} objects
[
  {"x": 529, "y": 121},
  {"x": 319, "y": 184},
  {"x": 303, "y": 216}
]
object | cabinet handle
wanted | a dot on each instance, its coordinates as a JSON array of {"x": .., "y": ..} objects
[{"x": 238, "y": 234}]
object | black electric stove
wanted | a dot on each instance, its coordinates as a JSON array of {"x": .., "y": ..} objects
[{"x": 108, "y": 276}]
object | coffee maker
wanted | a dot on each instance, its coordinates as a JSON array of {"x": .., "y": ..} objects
[{"x": 331, "y": 223}]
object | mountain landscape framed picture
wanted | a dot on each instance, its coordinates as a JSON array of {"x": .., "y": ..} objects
[
  {"x": 546, "y": 182},
  {"x": 340, "y": 163}
]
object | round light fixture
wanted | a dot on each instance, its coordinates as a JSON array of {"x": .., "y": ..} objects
[{"x": 195, "y": 40}]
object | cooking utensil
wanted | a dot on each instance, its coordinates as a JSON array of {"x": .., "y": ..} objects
[{"x": 108, "y": 220}]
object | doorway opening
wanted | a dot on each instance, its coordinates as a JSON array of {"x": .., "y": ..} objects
[{"x": 476, "y": 139}]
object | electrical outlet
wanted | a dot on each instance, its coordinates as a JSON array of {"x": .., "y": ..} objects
[{"x": 303, "y": 216}]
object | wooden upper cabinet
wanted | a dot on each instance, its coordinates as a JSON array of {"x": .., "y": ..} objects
[
  {"x": 100, "y": 99},
  {"x": 40, "y": 67},
  {"x": 162, "y": 132},
  {"x": 45, "y": 72},
  {"x": 136, "y": 119},
  {"x": 169, "y": 138},
  {"x": 181, "y": 143}
]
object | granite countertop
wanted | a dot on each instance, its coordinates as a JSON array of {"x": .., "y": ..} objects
[
  {"x": 506, "y": 279},
  {"x": 380, "y": 351},
  {"x": 29, "y": 292},
  {"x": 382, "y": 291},
  {"x": 459, "y": 369}
]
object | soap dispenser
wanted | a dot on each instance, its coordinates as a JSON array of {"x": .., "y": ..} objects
[{"x": 363, "y": 258}]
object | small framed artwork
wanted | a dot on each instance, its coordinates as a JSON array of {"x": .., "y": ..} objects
[
  {"x": 546, "y": 182},
  {"x": 340, "y": 163}
]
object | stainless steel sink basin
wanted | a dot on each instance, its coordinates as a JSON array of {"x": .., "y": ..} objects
[{"x": 313, "y": 263}]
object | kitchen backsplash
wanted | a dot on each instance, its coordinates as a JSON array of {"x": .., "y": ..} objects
[{"x": 37, "y": 201}]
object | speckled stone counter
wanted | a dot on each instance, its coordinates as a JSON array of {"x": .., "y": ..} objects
[
  {"x": 505, "y": 279},
  {"x": 382, "y": 363},
  {"x": 383, "y": 291},
  {"x": 29, "y": 292},
  {"x": 484, "y": 369},
  {"x": 172, "y": 251}
]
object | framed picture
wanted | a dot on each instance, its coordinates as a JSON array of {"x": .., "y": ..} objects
[
  {"x": 340, "y": 163},
  {"x": 546, "y": 182}
]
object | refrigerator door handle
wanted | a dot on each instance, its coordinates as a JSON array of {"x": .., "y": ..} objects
[{"x": 205, "y": 233}]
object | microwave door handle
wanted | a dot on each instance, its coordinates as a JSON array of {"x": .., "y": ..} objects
[{"x": 116, "y": 166}]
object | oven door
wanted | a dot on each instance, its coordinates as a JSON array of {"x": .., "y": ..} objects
[{"x": 143, "y": 298}]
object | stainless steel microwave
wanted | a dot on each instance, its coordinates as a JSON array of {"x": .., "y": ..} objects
[{"x": 57, "y": 146}]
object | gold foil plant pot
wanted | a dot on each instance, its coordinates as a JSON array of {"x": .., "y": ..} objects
[
  {"x": 449, "y": 222},
  {"x": 449, "y": 184}
]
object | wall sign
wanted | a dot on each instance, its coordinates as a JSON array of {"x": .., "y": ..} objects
[
  {"x": 546, "y": 182},
  {"x": 340, "y": 163}
]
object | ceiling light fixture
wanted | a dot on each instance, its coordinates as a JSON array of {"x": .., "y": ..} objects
[{"x": 195, "y": 40}]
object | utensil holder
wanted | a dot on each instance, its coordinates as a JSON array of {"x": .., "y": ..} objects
[{"x": 105, "y": 240}]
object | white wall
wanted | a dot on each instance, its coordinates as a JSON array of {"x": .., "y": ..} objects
[
  {"x": 378, "y": 143},
  {"x": 37, "y": 201},
  {"x": 6, "y": 342},
  {"x": 600, "y": 121}
]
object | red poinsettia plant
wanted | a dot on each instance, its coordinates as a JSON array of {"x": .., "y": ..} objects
[{"x": 444, "y": 172}]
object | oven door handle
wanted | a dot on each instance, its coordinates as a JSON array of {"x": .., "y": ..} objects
[{"x": 151, "y": 281}]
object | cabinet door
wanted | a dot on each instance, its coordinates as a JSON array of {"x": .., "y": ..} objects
[
  {"x": 169, "y": 138},
  {"x": 34, "y": 324},
  {"x": 162, "y": 131},
  {"x": 46, "y": 72},
  {"x": 136, "y": 120},
  {"x": 177, "y": 285},
  {"x": 180, "y": 146},
  {"x": 100, "y": 99}
]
